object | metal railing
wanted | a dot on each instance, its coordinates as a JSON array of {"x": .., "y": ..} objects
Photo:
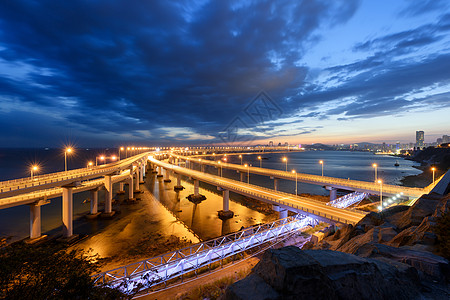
[
  {"x": 347, "y": 200},
  {"x": 160, "y": 269},
  {"x": 314, "y": 179}
]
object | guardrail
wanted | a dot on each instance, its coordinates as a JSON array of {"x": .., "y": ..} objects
[
  {"x": 353, "y": 215},
  {"x": 314, "y": 179},
  {"x": 157, "y": 270}
]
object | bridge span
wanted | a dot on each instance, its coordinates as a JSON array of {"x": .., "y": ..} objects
[
  {"x": 331, "y": 183},
  {"x": 284, "y": 201}
]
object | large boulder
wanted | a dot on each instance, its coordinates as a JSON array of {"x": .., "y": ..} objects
[
  {"x": 290, "y": 273},
  {"x": 424, "y": 207},
  {"x": 436, "y": 267}
]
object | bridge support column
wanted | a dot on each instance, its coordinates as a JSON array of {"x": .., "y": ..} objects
[
  {"x": 130, "y": 189},
  {"x": 333, "y": 194},
  {"x": 67, "y": 211},
  {"x": 196, "y": 187},
  {"x": 108, "y": 198},
  {"x": 202, "y": 168},
  {"x": 121, "y": 190},
  {"x": 225, "y": 213},
  {"x": 137, "y": 180},
  {"x": 275, "y": 184},
  {"x": 94, "y": 204},
  {"x": 196, "y": 197},
  {"x": 159, "y": 172},
  {"x": 35, "y": 221},
  {"x": 282, "y": 212},
  {"x": 141, "y": 173},
  {"x": 178, "y": 187},
  {"x": 167, "y": 178}
]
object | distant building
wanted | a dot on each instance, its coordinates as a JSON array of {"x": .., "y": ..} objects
[
  {"x": 439, "y": 141},
  {"x": 446, "y": 139},
  {"x": 279, "y": 144},
  {"x": 271, "y": 144},
  {"x": 397, "y": 146},
  {"x": 420, "y": 137},
  {"x": 286, "y": 144}
]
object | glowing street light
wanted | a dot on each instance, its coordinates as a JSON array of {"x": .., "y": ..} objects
[
  {"x": 260, "y": 161},
  {"x": 240, "y": 156},
  {"x": 376, "y": 175},
  {"x": 120, "y": 150},
  {"x": 285, "y": 160},
  {"x": 102, "y": 158},
  {"x": 33, "y": 169},
  {"x": 433, "y": 169},
  {"x": 113, "y": 157},
  {"x": 293, "y": 171},
  {"x": 90, "y": 164},
  {"x": 381, "y": 194},
  {"x": 68, "y": 150},
  {"x": 321, "y": 162}
]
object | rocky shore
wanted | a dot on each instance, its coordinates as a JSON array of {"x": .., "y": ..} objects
[{"x": 400, "y": 253}]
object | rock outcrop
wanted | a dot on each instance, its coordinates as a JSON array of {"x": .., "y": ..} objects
[{"x": 291, "y": 273}]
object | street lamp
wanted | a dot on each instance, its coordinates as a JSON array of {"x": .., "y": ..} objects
[
  {"x": 260, "y": 161},
  {"x": 293, "y": 171},
  {"x": 248, "y": 173},
  {"x": 376, "y": 176},
  {"x": 285, "y": 160},
  {"x": 113, "y": 157},
  {"x": 381, "y": 194},
  {"x": 68, "y": 150},
  {"x": 240, "y": 156},
  {"x": 120, "y": 150},
  {"x": 33, "y": 169},
  {"x": 101, "y": 158},
  {"x": 126, "y": 152},
  {"x": 90, "y": 164},
  {"x": 321, "y": 162},
  {"x": 433, "y": 169}
]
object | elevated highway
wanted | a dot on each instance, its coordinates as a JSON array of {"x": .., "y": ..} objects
[
  {"x": 288, "y": 201},
  {"x": 331, "y": 182}
]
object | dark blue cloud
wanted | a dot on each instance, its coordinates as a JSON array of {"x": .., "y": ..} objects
[{"x": 109, "y": 71}]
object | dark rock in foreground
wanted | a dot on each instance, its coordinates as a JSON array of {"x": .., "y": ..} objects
[{"x": 291, "y": 273}]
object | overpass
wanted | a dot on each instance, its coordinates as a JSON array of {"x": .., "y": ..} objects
[
  {"x": 37, "y": 191},
  {"x": 284, "y": 201},
  {"x": 330, "y": 182}
]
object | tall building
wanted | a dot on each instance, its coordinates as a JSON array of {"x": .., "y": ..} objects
[
  {"x": 420, "y": 137},
  {"x": 446, "y": 139},
  {"x": 271, "y": 144}
]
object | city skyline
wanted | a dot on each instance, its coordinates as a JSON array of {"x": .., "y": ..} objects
[{"x": 180, "y": 73}]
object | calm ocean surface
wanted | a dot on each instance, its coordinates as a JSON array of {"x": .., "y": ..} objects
[{"x": 200, "y": 218}]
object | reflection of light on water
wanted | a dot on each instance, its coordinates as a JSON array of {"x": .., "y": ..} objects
[{"x": 178, "y": 228}]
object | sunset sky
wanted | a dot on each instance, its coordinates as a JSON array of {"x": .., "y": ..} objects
[{"x": 108, "y": 73}]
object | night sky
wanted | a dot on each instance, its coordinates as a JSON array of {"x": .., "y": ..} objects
[{"x": 108, "y": 73}]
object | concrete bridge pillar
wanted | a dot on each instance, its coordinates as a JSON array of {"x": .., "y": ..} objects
[
  {"x": 143, "y": 170},
  {"x": 275, "y": 184},
  {"x": 333, "y": 194},
  {"x": 35, "y": 221},
  {"x": 94, "y": 201},
  {"x": 108, "y": 197},
  {"x": 219, "y": 171},
  {"x": 130, "y": 188},
  {"x": 178, "y": 187},
  {"x": 196, "y": 187},
  {"x": 202, "y": 168},
  {"x": 225, "y": 213},
  {"x": 137, "y": 181},
  {"x": 282, "y": 212},
  {"x": 67, "y": 211},
  {"x": 159, "y": 172},
  {"x": 167, "y": 178},
  {"x": 121, "y": 190},
  {"x": 141, "y": 173}
]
